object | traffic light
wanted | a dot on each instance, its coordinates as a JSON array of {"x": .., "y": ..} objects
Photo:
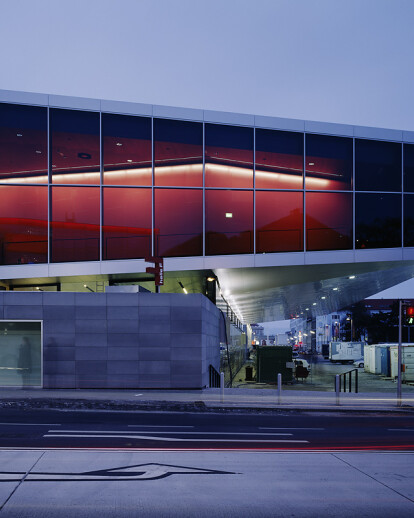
[{"x": 409, "y": 315}]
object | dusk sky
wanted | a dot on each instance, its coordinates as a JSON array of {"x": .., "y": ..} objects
[{"x": 346, "y": 61}]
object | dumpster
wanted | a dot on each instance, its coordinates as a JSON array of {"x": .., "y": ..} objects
[{"x": 272, "y": 360}]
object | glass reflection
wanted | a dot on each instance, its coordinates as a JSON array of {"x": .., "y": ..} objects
[
  {"x": 377, "y": 165},
  {"x": 178, "y": 226},
  {"x": 229, "y": 222},
  {"x": 127, "y": 223},
  {"x": 228, "y": 156},
  {"x": 329, "y": 163},
  {"x": 23, "y": 144},
  {"x": 328, "y": 221},
  {"x": 20, "y": 354},
  {"x": 377, "y": 220},
  {"x": 75, "y": 224},
  {"x": 408, "y": 220},
  {"x": 75, "y": 149},
  {"x": 23, "y": 224},
  {"x": 127, "y": 156},
  {"x": 279, "y": 221},
  {"x": 409, "y": 167},
  {"x": 178, "y": 153},
  {"x": 279, "y": 159}
]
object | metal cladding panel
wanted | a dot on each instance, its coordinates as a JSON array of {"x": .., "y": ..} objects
[
  {"x": 126, "y": 108},
  {"x": 76, "y": 103},
  {"x": 9, "y": 96}
]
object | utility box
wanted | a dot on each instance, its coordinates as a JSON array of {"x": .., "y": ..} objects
[{"x": 272, "y": 360}]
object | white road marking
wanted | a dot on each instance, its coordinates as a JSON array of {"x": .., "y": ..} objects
[
  {"x": 271, "y": 428},
  {"x": 32, "y": 424},
  {"x": 171, "y": 439},
  {"x": 160, "y": 433},
  {"x": 156, "y": 426}
]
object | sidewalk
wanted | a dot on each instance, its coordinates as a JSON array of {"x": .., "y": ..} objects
[{"x": 203, "y": 400}]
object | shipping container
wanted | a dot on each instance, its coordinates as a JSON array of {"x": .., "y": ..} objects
[{"x": 407, "y": 362}]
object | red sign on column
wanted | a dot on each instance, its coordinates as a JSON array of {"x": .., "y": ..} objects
[{"x": 157, "y": 270}]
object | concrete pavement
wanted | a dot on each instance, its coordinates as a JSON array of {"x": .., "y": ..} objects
[{"x": 162, "y": 484}]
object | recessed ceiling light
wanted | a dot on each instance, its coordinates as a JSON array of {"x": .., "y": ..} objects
[
  {"x": 335, "y": 289},
  {"x": 323, "y": 298},
  {"x": 314, "y": 304},
  {"x": 19, "y": 135},
  {"x": 306, "y": 309},
  {"x": 351, "y": 277},
  {"x": 119, "y": 143},
  {"x": 229, "y": 214},
  {"x": 129, "y": 161},
  {"x": 38, "y": 152},
  {"x": 311, "y": 163}
]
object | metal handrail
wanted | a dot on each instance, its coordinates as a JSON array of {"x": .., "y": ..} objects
[
  {"x": 344, "y": 374},
  {"x": 214, "y": 377}
]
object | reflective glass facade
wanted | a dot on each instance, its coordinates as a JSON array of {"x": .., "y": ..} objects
[{"x": 79, "y": 185}]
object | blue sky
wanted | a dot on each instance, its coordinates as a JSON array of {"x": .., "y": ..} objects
[{"x": 346, "y": 61}]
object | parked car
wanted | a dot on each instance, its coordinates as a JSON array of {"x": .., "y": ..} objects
[{"x": 359, "y": 363}]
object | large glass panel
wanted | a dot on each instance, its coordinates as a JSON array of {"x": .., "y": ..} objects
[
  {"x": 178, "y": 227},
  {"x": 127, "y": 223},
  {"x": 377, "y": 220},
  {"x": 228, "y": 156},
  {"x": 74, "y": 147},
  {"x": 328, "y": 221},
  {"x": 279, "y": 221},
  {"x": 23, "y": 224},
  {"x": 229, "y": 222},
  {"x": 329, "y": 163},
  {"x": 178, "y": 153},
  {"x": 377, "y": 165},
  {"x": 20, "y": 354},
  {"x": 75, "y": 224},
  {"x": 279, "y": 159},
  {"x": 127, "y": 157},
  {"x": 23, "y": 144},
  {"x": 409, "y": 167},
  {"x": 409, "y": 220}
]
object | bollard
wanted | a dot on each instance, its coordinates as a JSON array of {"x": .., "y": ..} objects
[
  {"x": 337, "y": 381},
  {"x": 222, "y": 386},
  {"x": 279, "y": 388}
]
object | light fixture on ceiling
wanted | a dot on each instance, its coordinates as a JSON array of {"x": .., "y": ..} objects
[
  {"x": 306, "y": 309},
  {"x": 314, "y": 304},
  {"x": 119, "y": 143},
  {"x": 323, "y": 298},
  {"x": 19, "y": 135},
  {"x": 311, "y": 163},
  {"x": 335, "y": 289},
  {"x": 182, "y": 287},
  {"x": 38, "y": 152},
  {"x": 351, "y": 277},
  {"x": 129, "y": 161},
  {"x": 229, "y": 214}
]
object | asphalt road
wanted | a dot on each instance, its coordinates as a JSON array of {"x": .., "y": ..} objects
[{"x": 283, "y": 431}]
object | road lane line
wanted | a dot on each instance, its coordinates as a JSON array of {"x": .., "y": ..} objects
[
  {"x": 175, "y": 439},
  {"x": 161, "y": 433},
  {"x": 31, "y": 424},
  {"x": 272, "y": 428},
  {"x": 156, "y": 426}
]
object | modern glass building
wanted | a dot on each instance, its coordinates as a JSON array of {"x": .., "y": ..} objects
[
  {"x": 287, "y": 218},
  {"x": 90, "y": 187}
]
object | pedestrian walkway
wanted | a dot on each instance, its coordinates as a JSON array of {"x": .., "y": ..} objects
[{"x": 208, "y": 399}]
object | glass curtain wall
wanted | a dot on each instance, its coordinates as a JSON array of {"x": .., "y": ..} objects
[{"x": 125, "y": 187}]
